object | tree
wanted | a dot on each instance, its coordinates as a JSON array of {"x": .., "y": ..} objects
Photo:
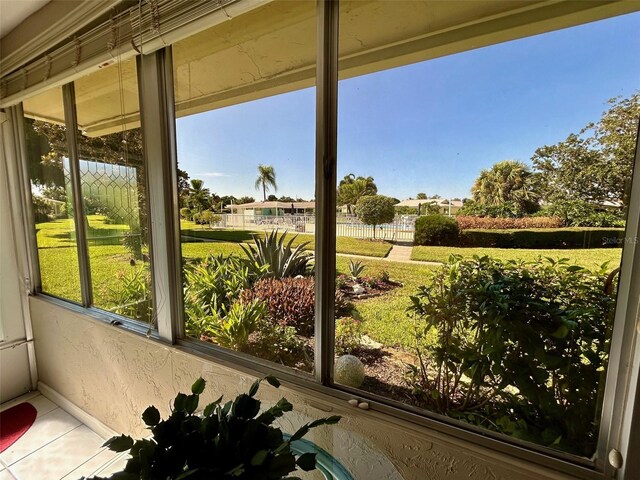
[
  {"x": 375, "y": 210},
  {"x": 245, "y": 199},
  {"x": 351, "y": 189},
  {"x": 421, "y": 196},
  {"x": 508, "y": 181},
  {"x": 266, "y": 179},
  {"x": 286, "y": 198},
  {"x": 199, "y": 197},
  {"x": 594, "y": 165},
  {"x": 272, "y": 198}
]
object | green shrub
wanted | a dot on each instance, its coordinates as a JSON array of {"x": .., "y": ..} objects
[
  {"x": 132, "y": 241},
  {"x": 436, "y": 230},
  {"x": 43, "y": 211},
  {"x": 206, "y": 217},
  {"x": 132, "y": 297},
  {"x": 349, "y": 333},
  {"x": 519, "y": 347},
  {"x": 272, "y": 257},
  {"x": 211, "y": 286},
  {"x": 578, "y": 213},
  {"x": 231, "y": 327},
  {"x": 544, "y": 238},
  {"x": 281, "y": 344},
  {"x": 375, "y": 210},
  {"x": 185, "y": 213}
]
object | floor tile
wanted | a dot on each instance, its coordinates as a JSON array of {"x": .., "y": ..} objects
[
  {"x": 6, "y": 475},
  {"x": 89, "y": 468},
  {"x": 59, "y": 457},
  {"x": 117, "y": 465},
  {"x": 42, "y": 404},
  {"x": 44, "y": 430}
]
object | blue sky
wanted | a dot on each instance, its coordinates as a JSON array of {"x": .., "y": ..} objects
[{"x": 428, "y": 127}]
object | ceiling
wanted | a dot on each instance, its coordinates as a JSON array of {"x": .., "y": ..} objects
[{"x": 13, "y": 12}]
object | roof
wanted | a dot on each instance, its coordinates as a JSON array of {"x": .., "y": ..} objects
[
  {"x": 441, "y": 202},
  {"x": 275, "y": 204}
]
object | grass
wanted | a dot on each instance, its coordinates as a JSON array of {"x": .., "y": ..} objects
[
  {"x": 589, "y": 258},
  {"x": 384, "y": 318},
  {"x": 346, "y": 245}
]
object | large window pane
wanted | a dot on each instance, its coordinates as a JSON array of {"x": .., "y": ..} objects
[
  {"x": 51, "y": 195},
  {"x": 245, "y": 131},
  {"x": 496, "y": 183},
  {"x": 112, "y": 175}
]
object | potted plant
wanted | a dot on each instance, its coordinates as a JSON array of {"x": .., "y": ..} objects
[{"x": 230, "y": 441}]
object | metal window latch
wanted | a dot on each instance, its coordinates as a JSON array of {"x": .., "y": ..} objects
[{"x": 615, "y": 458}]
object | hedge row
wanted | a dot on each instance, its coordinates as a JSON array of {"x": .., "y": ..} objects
[
  {"x": 503, "y": 223},
  {"x": 575, "y": 237}
]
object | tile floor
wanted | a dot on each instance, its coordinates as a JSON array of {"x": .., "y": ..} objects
[{"x": 56, "y": 447}]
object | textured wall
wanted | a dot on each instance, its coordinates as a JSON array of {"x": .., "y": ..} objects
[{"x": 114, "y": 375}]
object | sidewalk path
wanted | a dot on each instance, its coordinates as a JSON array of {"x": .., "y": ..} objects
[{"x": 400, "y": 253}]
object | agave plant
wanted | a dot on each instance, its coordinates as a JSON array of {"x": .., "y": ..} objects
[
  {"x": 278, "y": 256},
  {"x": 356, "y": 268}
]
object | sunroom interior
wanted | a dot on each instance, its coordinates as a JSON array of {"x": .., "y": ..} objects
[{"x": 84, "y": 72}]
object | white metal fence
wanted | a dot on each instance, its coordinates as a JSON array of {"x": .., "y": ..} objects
[{"x": 401, "y": 229}]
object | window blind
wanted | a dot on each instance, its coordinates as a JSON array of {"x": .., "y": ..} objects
[{"x": 145, "y": 26}]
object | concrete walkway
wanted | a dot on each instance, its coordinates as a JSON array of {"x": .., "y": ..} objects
[{"x": 400, "y": 253}]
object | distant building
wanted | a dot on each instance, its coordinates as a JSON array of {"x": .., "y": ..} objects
[
  {"x": 274, "y": 208},
  {"x": 445, "y": 206}
]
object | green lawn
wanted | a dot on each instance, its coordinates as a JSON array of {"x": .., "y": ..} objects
[
  {"x": 347, "y": 245},
  {"x": 384, "y": 318},
  {"x": 590, "y": 258}
]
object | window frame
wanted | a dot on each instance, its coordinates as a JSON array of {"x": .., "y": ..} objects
[{"x": 157, "y": 111}]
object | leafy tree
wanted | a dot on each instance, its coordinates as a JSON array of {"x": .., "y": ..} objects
[
  {"x": 421, "y": 196},
  {"x": 272, "y": 198},
  {"x": 594, "y": 165},
  {"x": 199, "y": 196},
  {"x": 266, "y": 179},
  {"x": 375, "y": 210},
  {"x": 285, "y": 198},
  {"x": 508, "y": 181},
  {"x": 245, "y": 199},
  {"x": 351, "y": 189}
]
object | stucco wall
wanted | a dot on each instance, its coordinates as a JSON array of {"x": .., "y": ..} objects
[{"x": 113, "y": 375}]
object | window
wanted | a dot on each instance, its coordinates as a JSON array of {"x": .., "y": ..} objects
[
  {"x": 112, "y": 177},
  {"x": 482, "y": 198},
  {"x": 500, "y": 166},
  {"x": 245, "y": 104},
  {"x": 51, "y": 195}
]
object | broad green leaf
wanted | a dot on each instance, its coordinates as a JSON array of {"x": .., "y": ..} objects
[
  {"x": 198, "y": 387},
  {"x": 151, "y": 416}
]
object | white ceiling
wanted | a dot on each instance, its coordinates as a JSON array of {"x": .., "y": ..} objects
[{"x": 12, "y": 12}]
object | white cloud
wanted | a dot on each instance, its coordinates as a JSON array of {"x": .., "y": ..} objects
[{"x": 211, "y": 174}]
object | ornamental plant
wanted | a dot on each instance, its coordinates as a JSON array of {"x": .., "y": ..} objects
[
  {"x": 272, "y": 257},
  {"x": 375, "y": 210},
  {"x": 230, "y": 441},
  {"x": 518, "y": 347}
]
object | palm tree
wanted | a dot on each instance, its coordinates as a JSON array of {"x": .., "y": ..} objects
[
  {"x": 199, "y": 197},
  {"x": 351, "y": 189},
  {"x": 506, "y": 181},
  {"x": 266, "y": 179}
]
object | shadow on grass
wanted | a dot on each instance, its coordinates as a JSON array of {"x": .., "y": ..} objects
[{"x": 237, "y": 236}]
